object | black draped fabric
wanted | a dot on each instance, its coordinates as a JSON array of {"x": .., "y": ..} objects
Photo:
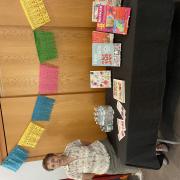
[
  {"x": 170, "y": 124},
  {"x": 144, "y": 59}
]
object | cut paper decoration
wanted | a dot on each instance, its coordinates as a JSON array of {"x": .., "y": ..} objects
[
  {"x": 15, "y": 158},
  {"x": 43, "y": 108},
  {"x": 31, "y": 136},
  {"x": 35, "y": 12},
  {"x": 100, "y": 79},
  {"x": 119, "y": 90},
  {"x": 48, "y": 79},
  {"x": 106, "y": 54},
  {"x": 46, "y": 46},
  {"x": 102, "y": 37}
]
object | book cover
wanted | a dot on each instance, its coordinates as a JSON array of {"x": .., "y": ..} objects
[
  {"x": 104, "y": 12},
  {"x": 102, "y": 37},
  {"x": 96, "y": 3},
  {"x": 119, "y": 90},
  {"x": 113, "y": 19},
  {"x": 106, "y": 54},
  {"x": 121, "y": 22},
  {"x": 100, "y": 79}
]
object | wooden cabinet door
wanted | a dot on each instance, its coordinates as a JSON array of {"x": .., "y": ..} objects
[{"x": 71, "y": 119}]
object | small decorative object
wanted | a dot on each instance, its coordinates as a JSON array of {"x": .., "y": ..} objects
[
  {"x": 43, "y": 108},
  {"x": 103, "y": 116},
  {"x": 35, "y": 12},
  {"x": 15, "y": 158}
]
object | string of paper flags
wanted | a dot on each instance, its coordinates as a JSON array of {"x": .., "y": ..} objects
[{"x": 37, "y": 16}]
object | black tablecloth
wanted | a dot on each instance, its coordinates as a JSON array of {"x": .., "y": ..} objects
[{"x": 144, "y": 58}]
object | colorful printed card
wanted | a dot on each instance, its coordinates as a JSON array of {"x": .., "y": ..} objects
[
  {"x": 31, "y": 136},
  {"x": 43, "y": 108},
  {"x": 100, "y": 79},
  {"x": 96, "y": 3},
  {"x": 106, "y": 54},
  {"x": 113, "y": 19},
  {"x": 121, "y": 129},
  {"x": 46, "y": 46},
  {"x": 35, "y": 12},
  {"x": 121, "y": 110},
  {"x": 15, "y": 158},
  {"x": 48, "y": 83},
  {"x": 119, "y": 90},
  {"x": 102, "y": 37}
]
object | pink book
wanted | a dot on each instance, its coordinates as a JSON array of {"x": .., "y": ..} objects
[
  {"x": 48, "y": 79},
  {"x": 105, "y": 21}
]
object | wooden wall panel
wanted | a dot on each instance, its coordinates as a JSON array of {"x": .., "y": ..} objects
[
  {"x": 19, "y": 64},
  {"x": 72, "y": 118},
  {"x": 63, "y": 13}
]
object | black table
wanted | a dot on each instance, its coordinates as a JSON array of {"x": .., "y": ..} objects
[{"x": 144, "y": 58}]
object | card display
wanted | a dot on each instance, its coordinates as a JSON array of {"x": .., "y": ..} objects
[
  {"x": 106, "y": 54},
  {"x": 102, "y": 37},
  {"x": 100, "y": 79},
  {"x": 119, "y": 90},
  {"x": 113, "y": 19},
  {"x": 96, "y": 3}
]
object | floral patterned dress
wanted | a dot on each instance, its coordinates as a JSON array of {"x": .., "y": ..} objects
[{"x": 88, "y": 159}]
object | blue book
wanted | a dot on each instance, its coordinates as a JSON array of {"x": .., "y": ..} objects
[{"x": 43, "y": 109}]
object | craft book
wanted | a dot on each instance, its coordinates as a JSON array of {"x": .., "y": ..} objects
[
  {"x": 106, "y": 54},
  {"x": 113, "y": 19},
  {"x": 102, "y": 37}
]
